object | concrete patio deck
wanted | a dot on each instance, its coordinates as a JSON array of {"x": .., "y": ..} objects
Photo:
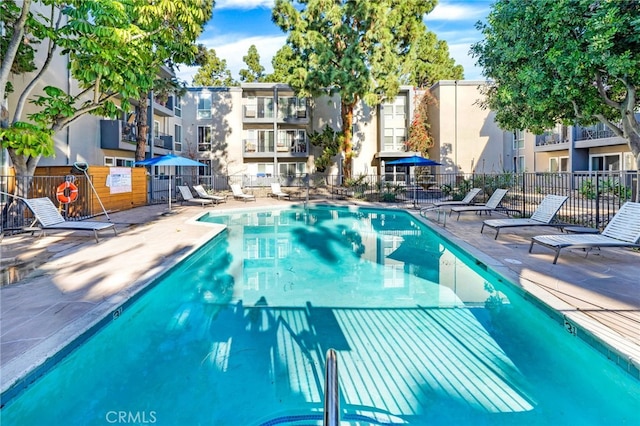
[{"x": 75, "y": 283}]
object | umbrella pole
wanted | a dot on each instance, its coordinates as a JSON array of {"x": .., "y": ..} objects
[{"x": 415, "y": 190}]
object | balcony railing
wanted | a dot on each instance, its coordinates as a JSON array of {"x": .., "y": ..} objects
[
  {"x": 599, "y": 131},
  {"x": 251, "y": 148},
  {"x": 550, "y": 139},
  {"x": 163, "y": 140}
]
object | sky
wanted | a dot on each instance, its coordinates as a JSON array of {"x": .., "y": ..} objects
[{"x": 237, "y": 24}]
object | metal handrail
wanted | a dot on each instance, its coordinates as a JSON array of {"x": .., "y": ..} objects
[{"x": 331, "y": 390}]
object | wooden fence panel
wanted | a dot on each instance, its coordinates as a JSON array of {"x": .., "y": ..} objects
[{"x": 99, "y": 174}]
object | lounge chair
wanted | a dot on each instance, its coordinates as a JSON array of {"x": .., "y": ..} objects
[
  {"x": 200, "y": 191},
  {"x": 622, "y": 231},
  {"x": 188, "y": 197},
  {"x": 47, "y": 214},
  {"x": 277, "y": 192},
  {"x": 467, "y": 200},
  {"x": 493, "y": 204},
  {"x": 542, "y": 216},
  {"x": 239, "y": 195}
]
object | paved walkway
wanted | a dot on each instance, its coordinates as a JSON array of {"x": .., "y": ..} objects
[{"x": 74, "y": 282}]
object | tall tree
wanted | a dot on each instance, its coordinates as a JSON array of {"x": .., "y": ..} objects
[
  {"x": 213, "y": 72},
  {"x": 115, "y": 50},
  {"x": 432, "y": 62},
  {"x": 358, "y": 49},
  {"x": 563, "y": 61},
  {"x": 283, "y": 63},
  {"x": 254, "y": 72}
]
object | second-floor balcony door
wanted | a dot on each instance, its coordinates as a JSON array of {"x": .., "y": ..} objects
[{"x": 265, "y": 141}]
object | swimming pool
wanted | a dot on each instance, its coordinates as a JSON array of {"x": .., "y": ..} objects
[{"x": 237, "y": 333}]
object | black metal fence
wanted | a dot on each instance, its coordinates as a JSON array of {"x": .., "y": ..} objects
[
  {"x": 14, "y": 216},
  {"x": 593, "y": 197}
]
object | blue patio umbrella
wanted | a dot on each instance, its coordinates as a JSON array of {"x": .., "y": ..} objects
[
  {"x": 170, "y": 160},
  {"x": 415, "y": 160}
]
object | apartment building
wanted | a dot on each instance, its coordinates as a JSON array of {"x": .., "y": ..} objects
[
  {"x": 578, "y": 148},
  {"x": 260, "y": 130}
]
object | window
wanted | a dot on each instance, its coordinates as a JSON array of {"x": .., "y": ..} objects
[
  {"x": 629, "y": 162},
  {"x": 261, "y": 169},
  {"x": 518, "y": 140},
  {"x": 558, "y": 164},
  {"x": 177, "y": 109},
  {"x": 292, "y": 107},
  {"x": 124, "y": 162},
  {"x": 400, "y": 107},
  {"x": 395, "y": 173},
  {"x": 258, "y": 107},
  {"x": 396, "y": 109},
  {"x": 291, "y": 169},
  {"x": 204, "y": 138},
  {"x": 118, "y": 162},
  {"x": 394, "y": 139},
  {"x": 265, "y": 140},
  {"x": 520, "y": 164},
  {"x": 156, "y": 129},
  {"x": 292, "y": 141},
  {"x": 259, "y": 141},
  {"x": 204, "y": 106},
  {"x": 607, "y": 162},
  {"x": 265, "y": 107},
  {"x": 250, "y": 107},
  {"x": 177, "y": 137}
]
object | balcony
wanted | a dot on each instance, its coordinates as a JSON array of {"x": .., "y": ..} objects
[
  {"x": 253, "y": 149},
  {"x": 551, "y": 142},
  {"x": 595, "y": 136},
  {"x": 163, "y": 141},
  {"x": 120, "y": 135},
  {"x": 163, "y": 106}
]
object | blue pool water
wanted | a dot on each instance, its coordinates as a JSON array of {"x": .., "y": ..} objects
[{"x": 237, "y": 333}]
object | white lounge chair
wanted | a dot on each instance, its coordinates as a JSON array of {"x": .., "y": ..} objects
[
  {"x": 277, "y": 192},
  {"x": 239, "y": 195},
  {"x": 47, "y": 214},
  {"x": 188, "y": 197},
  {"x": 467, "y": 200},
  {"x": 622, "y": 231},
  {"x": 200, "y": 191},
  {"x": 542, "y": 216},
  {"x": 493, "y": 203}
]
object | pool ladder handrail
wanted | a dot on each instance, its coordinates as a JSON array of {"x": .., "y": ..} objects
[{"x": 331, "y": 390}]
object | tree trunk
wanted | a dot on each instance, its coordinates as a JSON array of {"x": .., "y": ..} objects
[
  {"x": 346, "y": 113},
  {"x": 24, "y": 168},
  {"x": 633, "y": 139},
  {"x": 143, "y": 129}
]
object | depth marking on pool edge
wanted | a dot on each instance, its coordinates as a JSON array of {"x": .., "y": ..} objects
[
  {"x": 571, "y": 328},
  {"x": 116, "y": 314}
]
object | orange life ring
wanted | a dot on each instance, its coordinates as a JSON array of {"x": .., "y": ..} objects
[{"x": 73, "y": 192}]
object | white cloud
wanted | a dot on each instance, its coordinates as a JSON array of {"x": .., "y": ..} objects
[
  {"x": 243, "y": 4},
  {"x": 458, "y": 11}
]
